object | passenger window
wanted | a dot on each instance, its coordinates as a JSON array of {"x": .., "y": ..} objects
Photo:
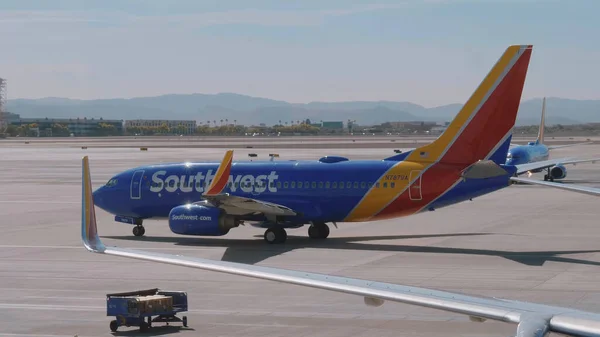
[
  {"x": 199, "y": 184},
  {"x": 293, "y": 184},
  {"x": 334, "y": 184},
  {"x": 356, "y": 184},
  {"x": 370, "y": 184},
  {"x": 320, "y": 184},
  {"x": 272, "y": 184},
  {"x": 363, "y": 185},
  {"x": 327, "y": 185},
  {"x": 285, "y": 184},
  {"x": 279, "y": 184},
  {"x": 392, "y": 185},
  {"x": 172, "y": 183},
  {"x": 377, "y": 185},
  {"x": 313, "y": 185},
  {"x": 341, "y": 184},
  {"x": 384, "y": 185},
  {"x": 348, "y": 184},
  {"x": 299, "y": 184},
  {"x": 306, "y": 184}
]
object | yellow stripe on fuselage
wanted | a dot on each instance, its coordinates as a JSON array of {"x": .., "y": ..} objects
[
  {"x": 436, "y": 148},
  {"x": 379, "y": 197}
]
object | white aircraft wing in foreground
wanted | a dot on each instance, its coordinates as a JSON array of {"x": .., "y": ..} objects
[{"x": 534, "y": 320}]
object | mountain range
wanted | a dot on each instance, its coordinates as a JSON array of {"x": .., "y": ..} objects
[{"x": 249, "y": 110}]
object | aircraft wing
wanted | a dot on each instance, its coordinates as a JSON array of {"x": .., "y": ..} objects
[
  {"x": 532, "y": 319},
  {"x": 567, "y": 145},
  {"x": 235, "y": 204},
  {"x": 538, "y": 165},
  {"x": 573, "y": 188}
]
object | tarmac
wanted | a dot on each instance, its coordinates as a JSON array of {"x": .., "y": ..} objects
[{"x": 524, "y": 242}]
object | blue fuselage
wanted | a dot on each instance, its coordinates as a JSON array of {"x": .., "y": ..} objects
[
  {"x": 530, "y": 153},
  {"x": 317, "y": 191}
]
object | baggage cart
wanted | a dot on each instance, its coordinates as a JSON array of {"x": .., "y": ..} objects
[{"x": 137, "y": 308}]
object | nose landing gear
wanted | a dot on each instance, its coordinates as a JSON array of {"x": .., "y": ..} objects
[{"x": 139, "y": 230}]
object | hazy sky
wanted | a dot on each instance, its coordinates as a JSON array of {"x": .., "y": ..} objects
[{"x": 430, "y": 52}]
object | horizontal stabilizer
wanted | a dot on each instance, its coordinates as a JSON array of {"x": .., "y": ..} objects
[{"x": 483, "y": 169}]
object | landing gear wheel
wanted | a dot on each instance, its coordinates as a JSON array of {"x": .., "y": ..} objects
[
  {"x": 275, "y": 235},
  {"x": 184, "y": 319},
  {"x": 318, "y": 231},
  {"x": 144, "y": 326},
  {"x": 114, "y": 325},
  {"x": 139, "y": 230}
]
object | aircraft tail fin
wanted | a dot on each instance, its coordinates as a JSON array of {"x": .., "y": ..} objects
[
  {"x": 222, "y": 176},
  {"x": 540, "y": 138},
  {"x": 89, "y": 230},
  {"x": 483, "y": 127}
]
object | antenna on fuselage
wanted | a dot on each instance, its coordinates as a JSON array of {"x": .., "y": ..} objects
[{"x": 540, "y": 139}]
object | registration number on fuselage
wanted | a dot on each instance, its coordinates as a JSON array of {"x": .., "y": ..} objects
[{"x": 394, "y": 177}]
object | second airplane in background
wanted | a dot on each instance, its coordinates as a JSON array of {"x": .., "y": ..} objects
[
  {"x": 537, "y": 154},
  {"x": 209, "y": 199}
]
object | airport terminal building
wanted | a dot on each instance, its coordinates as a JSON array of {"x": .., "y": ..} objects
[{"x": 76, "y": 126}]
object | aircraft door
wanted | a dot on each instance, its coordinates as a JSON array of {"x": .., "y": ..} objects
[
  {"x": 136, "y": 184},
  {"x": 414, "y": 192}
]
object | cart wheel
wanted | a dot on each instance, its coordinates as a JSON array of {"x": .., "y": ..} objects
[
  {"x": 114, "y": 326},
  {"x": 144, "y": 326},
  {"x": 184, "y": 319}
]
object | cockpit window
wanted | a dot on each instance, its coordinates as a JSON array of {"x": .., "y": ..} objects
[
  {"x": 111, "y": 182},
  {"x": 509, "y": 155}
]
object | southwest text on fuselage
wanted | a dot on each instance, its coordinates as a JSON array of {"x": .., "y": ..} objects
[{"x": 198, "y": 182}]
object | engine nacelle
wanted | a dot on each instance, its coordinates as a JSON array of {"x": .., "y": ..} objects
[
  {"x": 558, "y": 172},
  {"x": 200, "y": 220}
]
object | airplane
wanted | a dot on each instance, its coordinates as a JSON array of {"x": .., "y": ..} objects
[
  {"x": 532, "y": 319},
  {"x": 209, "y": 199},
  {"x": 537, "y": 151}
]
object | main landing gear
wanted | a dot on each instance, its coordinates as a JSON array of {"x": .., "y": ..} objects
[
  {"x": 275, "y": 235},
  {"x": 318, "y": 230}
]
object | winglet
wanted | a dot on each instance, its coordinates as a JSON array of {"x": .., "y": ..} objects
[
  {"x": 222, "y": 176},
  {"x": 89, "y": 231}
]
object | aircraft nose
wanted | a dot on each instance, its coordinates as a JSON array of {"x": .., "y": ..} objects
[{"x": 99, "y": 198}]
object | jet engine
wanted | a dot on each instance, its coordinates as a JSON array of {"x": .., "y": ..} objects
[
  {"x": 200, "y": 220},
  {"x": 558, "y": 172}
]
